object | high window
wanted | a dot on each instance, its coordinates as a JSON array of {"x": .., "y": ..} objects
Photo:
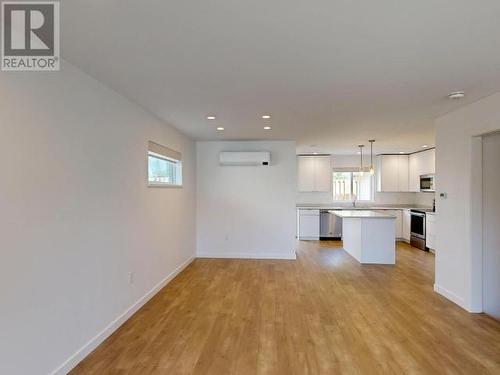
[{"x": 164, "y": 166}]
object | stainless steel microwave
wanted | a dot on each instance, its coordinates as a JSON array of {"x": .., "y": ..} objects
[{"x": 427, "y": 183}]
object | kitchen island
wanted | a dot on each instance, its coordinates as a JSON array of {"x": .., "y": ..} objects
[{"x": 368, "y": 236}]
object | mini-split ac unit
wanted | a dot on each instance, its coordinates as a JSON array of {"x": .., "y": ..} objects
[{"x": 245, "y": 158}]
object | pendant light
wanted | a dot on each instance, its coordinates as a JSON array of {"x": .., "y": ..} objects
[
  {"x": 372, "y": 170},
  {"x": 361, "y": 154}
]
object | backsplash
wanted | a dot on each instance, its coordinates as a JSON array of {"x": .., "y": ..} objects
[{"x": 425, "y": 199}]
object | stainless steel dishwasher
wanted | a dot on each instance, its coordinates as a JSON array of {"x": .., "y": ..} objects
[{"x": 330, "y": 226}]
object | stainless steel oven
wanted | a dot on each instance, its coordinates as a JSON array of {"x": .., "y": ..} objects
[
  {"x": 417, "y": 231},
  {"x": 427, "y": 183}
]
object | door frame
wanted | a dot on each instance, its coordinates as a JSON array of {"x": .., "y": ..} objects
[{"x": 474, "y": 271}]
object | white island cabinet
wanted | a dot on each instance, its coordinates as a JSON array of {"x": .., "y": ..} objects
[{"x": 368, "y": 236}]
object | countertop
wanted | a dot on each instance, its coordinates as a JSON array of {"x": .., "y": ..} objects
[
  {"x": 362, "y": 214},
  {"x": 350, "y": 208}
]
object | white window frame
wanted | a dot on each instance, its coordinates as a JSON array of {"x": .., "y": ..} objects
[
  {"x": 163, "y": 153},
  {"x": 352, "y": 171}
]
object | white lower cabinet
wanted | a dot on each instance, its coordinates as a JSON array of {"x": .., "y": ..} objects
[
  {"x": 308, "y": 224},
  {"x": 398, "y": 222},
  {"x": 406, "y": 224},
  {"x": 430, "y": 235}
]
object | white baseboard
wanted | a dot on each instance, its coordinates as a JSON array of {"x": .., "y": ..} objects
[
  {"x": 76, "y": 358},
  {"x": 288, "y": 256},
  {"x": 451, "y": 296}
]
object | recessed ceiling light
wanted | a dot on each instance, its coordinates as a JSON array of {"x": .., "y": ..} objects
[
  {"x": 424, "y": 146},
  {"x": 211, "y": 117},
  {"x": 267, "y": 128},
  {"x": 456, "y": 95},
  {"x": 266, "y": 117},
  {"x": 220, "y": 128}
]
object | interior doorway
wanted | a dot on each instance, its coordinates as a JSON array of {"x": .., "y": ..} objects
[{"x": 491, "y": 225}]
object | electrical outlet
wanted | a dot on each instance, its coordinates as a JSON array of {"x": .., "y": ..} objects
[{"x": 130, "y": 277}]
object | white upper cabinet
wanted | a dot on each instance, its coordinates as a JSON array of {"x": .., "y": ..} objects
[
  {"x": 388, "y": 173},
  {"x": 323, "y": 174},
  {"x": 414, "y": 165},
  {"x": 314, "y": 173},
  {"x": 305, "y": 173},
  {"x": 428, "y": 161},
  {"x": 403, "y": 176},
  {"x": 421, "y": 163},
  {"x": 392, "y": 173}
]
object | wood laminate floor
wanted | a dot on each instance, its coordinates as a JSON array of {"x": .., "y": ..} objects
[{"x": 321, "y": 314}]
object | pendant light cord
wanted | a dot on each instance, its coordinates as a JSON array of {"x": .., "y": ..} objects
[
  {"x": 371, "y": 154},
  {"x": 361, "y": 154}
]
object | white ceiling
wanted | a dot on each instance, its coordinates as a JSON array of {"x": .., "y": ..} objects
[{"x": 332, "y": 73}]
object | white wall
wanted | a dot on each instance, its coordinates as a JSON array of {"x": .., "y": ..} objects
[
  {"x": 347, "y": 161},
  {"x": 458, "y": 174},
  {"x": 246, "y": 211},
  {"x": 77, "y": 217}
]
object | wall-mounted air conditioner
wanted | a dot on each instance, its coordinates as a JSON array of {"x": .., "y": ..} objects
[{"x": 245, "y": 158}]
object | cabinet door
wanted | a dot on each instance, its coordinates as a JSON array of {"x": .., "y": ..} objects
[
  {"x": 406, "y": 225},
  {"x": 419, "y": 164},
  {"x": 308, "y": 224},
  {"x": 428, "y": 162},
  {"x": 305, "y": 173},
  {"x": 403, "y": 182},
  {"x": 398, "y": 223},
  {"x": 414, "y": 172},
  {"x": 430, "y": 234},
  {"x": 388, "y": 173},
  {"x": 322, "y": 174}
]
